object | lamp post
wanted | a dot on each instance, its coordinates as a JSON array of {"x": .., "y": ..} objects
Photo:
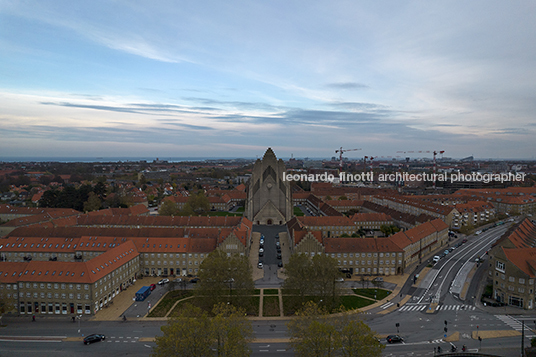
[{"x": 79, "y": 317}]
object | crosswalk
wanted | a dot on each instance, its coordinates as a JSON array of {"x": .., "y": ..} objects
[
  {"x": 455, "y": 307},
  {"x": 510, "y": 321},
  {"x": 423, "y": 307}
]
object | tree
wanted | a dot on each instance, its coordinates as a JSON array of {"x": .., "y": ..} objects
[
  {"x": 93, "y": 203},
  {"x": 219, "y": 274},
  {"x": 189, "y": 334},
  {"x": 196, "y": 204},
  {"x": 317, "y": 276},
  {"x": 169, "y": 208},
  {"x": 194, "y": 333},
  {"x": 232, "y": 330},
  {"x": 298, "y": 271},
  {"x": 314, "y": 333},
  {"x": 310, "y": 334},
  {"x": 389, "y": 230},
  {"x": 355, "y": 338}
]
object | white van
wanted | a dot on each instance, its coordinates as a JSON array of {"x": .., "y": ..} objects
[{"x": 436, "y": 258}]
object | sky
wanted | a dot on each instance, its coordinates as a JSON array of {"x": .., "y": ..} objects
[{"x": 232, "y": 78}]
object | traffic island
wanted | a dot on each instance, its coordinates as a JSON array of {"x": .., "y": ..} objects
[
  {"x": 453, "y": 337},
  {"x": 494, "y": 334}
]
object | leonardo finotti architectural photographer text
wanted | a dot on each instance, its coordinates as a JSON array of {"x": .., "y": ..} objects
[{"x": 404, "y": 176}]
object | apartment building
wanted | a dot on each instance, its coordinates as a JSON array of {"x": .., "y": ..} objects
[
  {"x": 512, "y": 266},
  {"x": 68, "y": 288}
]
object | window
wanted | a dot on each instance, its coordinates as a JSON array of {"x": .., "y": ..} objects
[
  {"x": 511, "y": 279},
  {"x": 521, "y": 281},
  {"x": 499, "y": 266}
]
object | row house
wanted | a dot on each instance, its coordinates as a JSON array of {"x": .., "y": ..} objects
[
  {"x": 356, "y": 256},
  {"x": 344, "y": 206},
  {"x": 421, "y": 240},
  {"x": 371, "y": 221},
  {"x": 512, "y": 200},
  {"x": 512, "y": 266},
  {"x": 416, "y": 207},
  {"x": 475, "y": 213},
  {"x": 376, "y": 256},
  {"x": 68, "y": 288}
]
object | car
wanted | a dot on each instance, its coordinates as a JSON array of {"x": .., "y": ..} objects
[
  {"x": 378, "y": 279},
  {"x": 277, "y": 245},
  {"x": 277, "y": 236},
  {"x": 93, "y": 338},
  {"x": 478, "y": 232},
  {"x": 436, "y": 258},
  {"x": 153, "y": 286},
  {"x": 261, "y": 254},
  {"x": 279, "y": 250},
  {"x": 261, "y": 245},
  {"x": 194, "y": 280},
  {"x": 163, "y": 281},
  {"x": 451, "y": 249},
  {"x": 340, "y": 280},
  {"x": 261, "y": 250},
  {"x": 280, "y": 264},
  {"x": 259, "y": 265},
  {"x": 446, "y": 252},
  {"x": 464, "y": 241},
  {"x": 278, "y": 256},
  {"x": 394, "y": 338}
]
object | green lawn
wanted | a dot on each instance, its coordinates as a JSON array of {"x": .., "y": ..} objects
[
  {"x": 270, "y": 291},
  {"x": 249, "y": 303},
  {"x": 271, "y": 306},
  {"x": 351, "y": 302},
  {"x": 380, "y": 293},
  {"x": 298, "y": 211},
  {"x": 167, "y": 302}
]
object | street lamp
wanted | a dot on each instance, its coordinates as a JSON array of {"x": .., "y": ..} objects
[{"x": 79, "y": 317}]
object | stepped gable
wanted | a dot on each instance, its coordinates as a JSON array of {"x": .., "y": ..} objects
[
  {"x": 523, "y": 258},
  {"x": 300, "y": 235}
]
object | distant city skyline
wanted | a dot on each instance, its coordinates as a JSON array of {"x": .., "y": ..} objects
[{"x": 230, "y": 79}]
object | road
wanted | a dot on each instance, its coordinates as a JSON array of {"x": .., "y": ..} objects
[{"x": 421, "y": 331}]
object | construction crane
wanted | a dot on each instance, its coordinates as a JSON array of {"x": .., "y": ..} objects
[
  {"x": 341, "y": 151},
  {"x": 435, "y": 153}
]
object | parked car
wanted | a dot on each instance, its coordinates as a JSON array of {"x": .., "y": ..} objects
[
  {"x": 446, "y": 252},
  {"x": 93, "y": 338},
  {"x": 280, "y": 264},
  {"x": 436, "y": 258},
  {"x": 259, "y": 265},
  {"x": 153, "y": 286},
  {"x": 478, "y": 232},
  {"x": 261, "y": 250},
  {"x": 163, "y": 281},
  {"x": 278, "y": 256},
  {"x": 261, "y": 253},
  {"x": 464, "y": 241},
  {"x": 394, "y": 338},
  {"x": 194, "y": 280},
  {"x": 277, "y": 245}
]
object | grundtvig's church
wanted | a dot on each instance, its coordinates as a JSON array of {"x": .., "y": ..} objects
[{"x": 269, "y": 198}]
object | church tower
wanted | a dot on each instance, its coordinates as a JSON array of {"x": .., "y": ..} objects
[{"x": 269, "y": 200}]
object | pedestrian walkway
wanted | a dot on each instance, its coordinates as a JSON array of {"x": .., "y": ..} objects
[
  {"x": 455, "y": 307},
  {"x": 513, "y": 323}
]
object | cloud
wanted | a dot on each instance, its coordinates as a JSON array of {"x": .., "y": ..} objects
[{"x": 347, "y": 85}]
